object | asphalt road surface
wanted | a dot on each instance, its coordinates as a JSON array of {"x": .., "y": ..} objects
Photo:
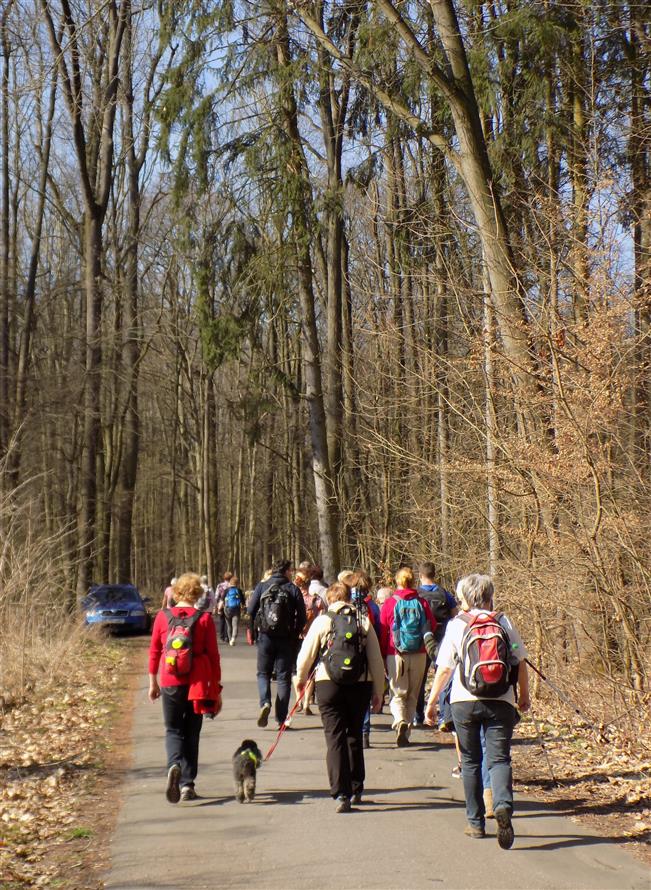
[{"x": 407, "y": 834}]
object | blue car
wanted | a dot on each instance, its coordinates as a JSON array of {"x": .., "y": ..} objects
[{"x": 116, "y": 606}]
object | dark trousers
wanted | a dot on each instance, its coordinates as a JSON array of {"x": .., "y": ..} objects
[
  {"x": 275, "y": 653},
  {"x": 182, "y": 731},
  {"x": 420, "y": 702},
  {"x": 342, "y": 710},
  {"x": 223, "y": 636},
  {"x": 497, "y": 718}
]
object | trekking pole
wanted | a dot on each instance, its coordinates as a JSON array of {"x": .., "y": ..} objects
[
  {"x": 286, "y": 721},
  {"x": 544, "y": 749},
  {"x": 562, "y": 695}
]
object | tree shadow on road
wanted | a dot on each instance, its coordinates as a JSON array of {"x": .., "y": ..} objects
[
  {"x": 561, "y": 842},
  {"x": 288, "y": 797}
]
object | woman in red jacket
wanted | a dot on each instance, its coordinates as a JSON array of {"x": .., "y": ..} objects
[
  {"x": 184, "y": 648},
  {"x": 405, "y": 618}
]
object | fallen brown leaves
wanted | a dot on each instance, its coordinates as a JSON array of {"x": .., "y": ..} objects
[
  {"x": 600, "y": 778},
  {"x": 53, "y": 745}
]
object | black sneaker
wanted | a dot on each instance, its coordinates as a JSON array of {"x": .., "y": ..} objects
[
  {"x": 343, "y": 804},
  {"x": 505, "y": 833},
  {"x": 172, "y": 790},
  {"x": 402, "y": 738},
  {"x": 366, "y": 740},
  {"x": 356, "y": 798},
  {"x": 263, "y": 717}
]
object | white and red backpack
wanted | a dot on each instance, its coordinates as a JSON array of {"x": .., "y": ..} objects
[{"x": 485, "y": 655}]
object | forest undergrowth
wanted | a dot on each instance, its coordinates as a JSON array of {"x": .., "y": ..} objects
[{"x": 61, "y": 728}]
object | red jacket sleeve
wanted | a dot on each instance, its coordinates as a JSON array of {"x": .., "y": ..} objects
[
  {"x": 210, "y": 647},
  {"x": 386, "y": 621},
  {"x": 157, "y": 642}
]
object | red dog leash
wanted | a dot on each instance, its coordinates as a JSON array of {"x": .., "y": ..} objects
[{"x": 286, "y": 721}]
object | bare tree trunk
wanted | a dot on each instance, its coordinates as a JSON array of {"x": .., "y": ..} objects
[
  {"x": 323, "y": 482},
  {"x": 492, "y": 492},
  {"x": 5, "y": 298}
]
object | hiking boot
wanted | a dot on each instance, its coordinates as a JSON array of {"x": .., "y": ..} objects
[
  {"x": 366, "y": 740},
  {"x": 343, "y": 804},
  {"x": 474, "y": 831},
  {"x": 188, "y": 793},
  {"x": 505, "y": 834},
  {"x": 402, "y": 737},
  {"x": 263, "y": 717},
  {"x": 488, "y": 803},
  {"x": 356, "y": 798},
  {"x": 172, "y": 789}
]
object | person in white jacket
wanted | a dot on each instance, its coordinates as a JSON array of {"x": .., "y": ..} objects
[{"x": 343, "y": 704}]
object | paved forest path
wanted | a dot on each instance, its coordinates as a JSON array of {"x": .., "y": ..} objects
[{"x": 408, "y": 833}]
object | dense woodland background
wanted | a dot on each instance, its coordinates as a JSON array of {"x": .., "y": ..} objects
[{"x": 357, "y": 282}]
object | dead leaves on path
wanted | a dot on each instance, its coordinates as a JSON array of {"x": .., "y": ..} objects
[{"x": 51, "y": 750}]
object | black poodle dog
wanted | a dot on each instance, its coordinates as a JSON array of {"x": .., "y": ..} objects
[{"x": 246, "y": 761}]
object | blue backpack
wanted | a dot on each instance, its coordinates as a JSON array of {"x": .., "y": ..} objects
[
  {"x": 232, "y": 598},
  {"x": 409, "y": 625}
]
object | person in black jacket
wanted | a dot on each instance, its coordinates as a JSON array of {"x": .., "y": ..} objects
[{"x": 277, "y": 610}]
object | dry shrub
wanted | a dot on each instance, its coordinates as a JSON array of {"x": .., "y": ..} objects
[{"x": 39, "y": 627}]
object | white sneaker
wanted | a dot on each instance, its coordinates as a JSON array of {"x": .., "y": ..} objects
[{"x": 231, "y": 642}]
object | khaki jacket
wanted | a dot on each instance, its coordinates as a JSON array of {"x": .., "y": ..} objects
[{"x": 316, "y": 640}]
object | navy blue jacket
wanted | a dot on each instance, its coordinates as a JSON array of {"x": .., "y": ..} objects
[{"x": 298, "y": 615}]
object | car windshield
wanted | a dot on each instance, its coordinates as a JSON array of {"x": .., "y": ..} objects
[{"x": 113, "y": 595}]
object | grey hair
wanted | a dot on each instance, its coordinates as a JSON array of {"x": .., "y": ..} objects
[{"x": 476, "y": 590}]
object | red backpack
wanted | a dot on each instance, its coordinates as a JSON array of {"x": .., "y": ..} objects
[
  {"x": 178, "y": 643},
  {"x": 484, "y": 660}
]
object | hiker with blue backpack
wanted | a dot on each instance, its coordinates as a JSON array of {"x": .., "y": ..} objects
[
  {"x": 233, "y": 602},
  {"x": 443, "y": 606},
  {"x": 405, "y": 622},
  {"x": 484, "y": 654}
]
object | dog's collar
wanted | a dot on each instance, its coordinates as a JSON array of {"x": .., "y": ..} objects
[{"x": 253, "y": 757}]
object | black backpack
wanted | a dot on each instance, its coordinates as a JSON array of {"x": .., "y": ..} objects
[
  {"x": 344, "y": 654},
  {"x": 275, "y": 615},
  {"x": 437, "y": 601}
]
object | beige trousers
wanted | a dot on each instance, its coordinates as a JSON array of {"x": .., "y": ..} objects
[{"x": 405, "y": 678}]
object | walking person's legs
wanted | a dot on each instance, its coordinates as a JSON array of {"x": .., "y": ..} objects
[
  {"x": 498, "y": 720},
  {"x": 235, "y": 626},
  {"x": 266, "y": 656},
  {"x": 415, "y": 663},
  {"x": 284, "y": 661},
  {"x": 329, "y": 699},
  {"x": 419, "y": 716},
  {"x": 399, "y": 686},
  {"x": 174, "y": 701},
  {"x": 190, "y": 753},
  {"x": 229, "y": 624},
  {"x": 467, "y": 718},
  {"x": 357, "y": 701}
]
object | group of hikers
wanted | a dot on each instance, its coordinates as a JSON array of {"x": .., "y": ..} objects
[{"x": 347, "y": 648}]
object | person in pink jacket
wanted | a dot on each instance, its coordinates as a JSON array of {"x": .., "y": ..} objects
[{"x": 405, "y": 618}]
